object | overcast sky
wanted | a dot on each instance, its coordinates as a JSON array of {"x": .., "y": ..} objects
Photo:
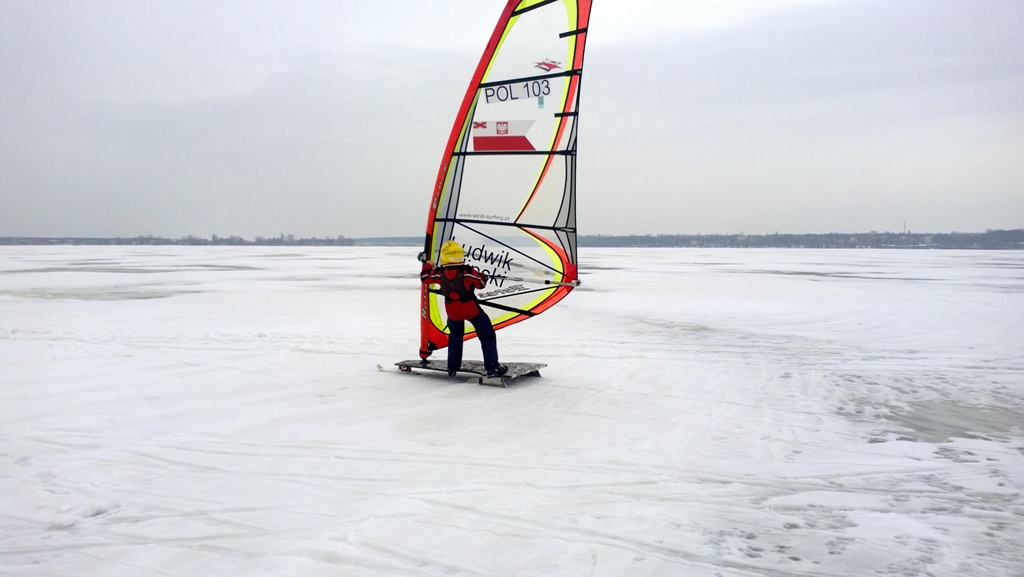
[{"x": 326, "y": 118}]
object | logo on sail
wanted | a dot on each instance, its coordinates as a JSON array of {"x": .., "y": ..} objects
[
  {"x": 547, "y": 65},
  {"x": 502, "y": 135}
]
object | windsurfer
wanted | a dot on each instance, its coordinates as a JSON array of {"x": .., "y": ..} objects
[{"x": 459, "y": 283}]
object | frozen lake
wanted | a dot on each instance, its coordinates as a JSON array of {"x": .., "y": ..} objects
[{"x": 719, "y": 413}]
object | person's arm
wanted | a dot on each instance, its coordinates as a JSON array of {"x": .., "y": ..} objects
[
  {"x": 475, "y": 279},
  {"x": 428, "y": 274}
]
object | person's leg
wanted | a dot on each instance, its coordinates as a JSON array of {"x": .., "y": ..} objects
[
  {"x": 456, "y": 329},
  {"x": 488, "y": 341}
]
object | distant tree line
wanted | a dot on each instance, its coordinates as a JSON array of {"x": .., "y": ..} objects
[
  {"x": 988, "y": 240},
  {"x": 214, "y": 240}
]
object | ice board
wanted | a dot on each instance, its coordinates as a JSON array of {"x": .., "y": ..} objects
[{"x": 515, "y": 370}]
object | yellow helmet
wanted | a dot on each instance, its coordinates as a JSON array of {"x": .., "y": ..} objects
[{"x": 451, "y": 253}]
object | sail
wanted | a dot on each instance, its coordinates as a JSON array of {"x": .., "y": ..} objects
[{"x": 506, "y": 188}]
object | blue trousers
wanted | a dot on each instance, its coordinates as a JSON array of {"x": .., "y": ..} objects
[{"x": 484, "y": 332}]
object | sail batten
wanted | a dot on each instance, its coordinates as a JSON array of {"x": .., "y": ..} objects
[
  {"x": 500, "y": 190},
  {"x": 530, "y": 78},
  {"x": 511, "y": 224},
  {"x": 535, "y": 5},
  {"x": 516, "y": 153}
]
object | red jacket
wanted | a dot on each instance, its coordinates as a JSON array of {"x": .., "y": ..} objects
[{"x": 459, "y": 298}]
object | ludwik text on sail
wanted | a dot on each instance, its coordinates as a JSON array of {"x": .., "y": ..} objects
[{"x": 499, "y": 262}]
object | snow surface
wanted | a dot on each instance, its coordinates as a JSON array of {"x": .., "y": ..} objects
[{"x": 720, "y": 413}]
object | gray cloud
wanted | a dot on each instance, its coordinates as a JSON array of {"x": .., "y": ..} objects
[
  {"x": 853, "y": 116},
  {"x": 256, "y": 119}
]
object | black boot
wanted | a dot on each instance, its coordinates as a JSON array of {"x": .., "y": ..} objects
[
  {"x": 453, "y": 367},
  {"x": 497, "y": 371}
]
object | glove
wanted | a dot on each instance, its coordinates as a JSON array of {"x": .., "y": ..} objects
[{"x": 422, "y": 257}]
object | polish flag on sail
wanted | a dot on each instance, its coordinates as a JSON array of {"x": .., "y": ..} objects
[{"x": 501, "y": 135}]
